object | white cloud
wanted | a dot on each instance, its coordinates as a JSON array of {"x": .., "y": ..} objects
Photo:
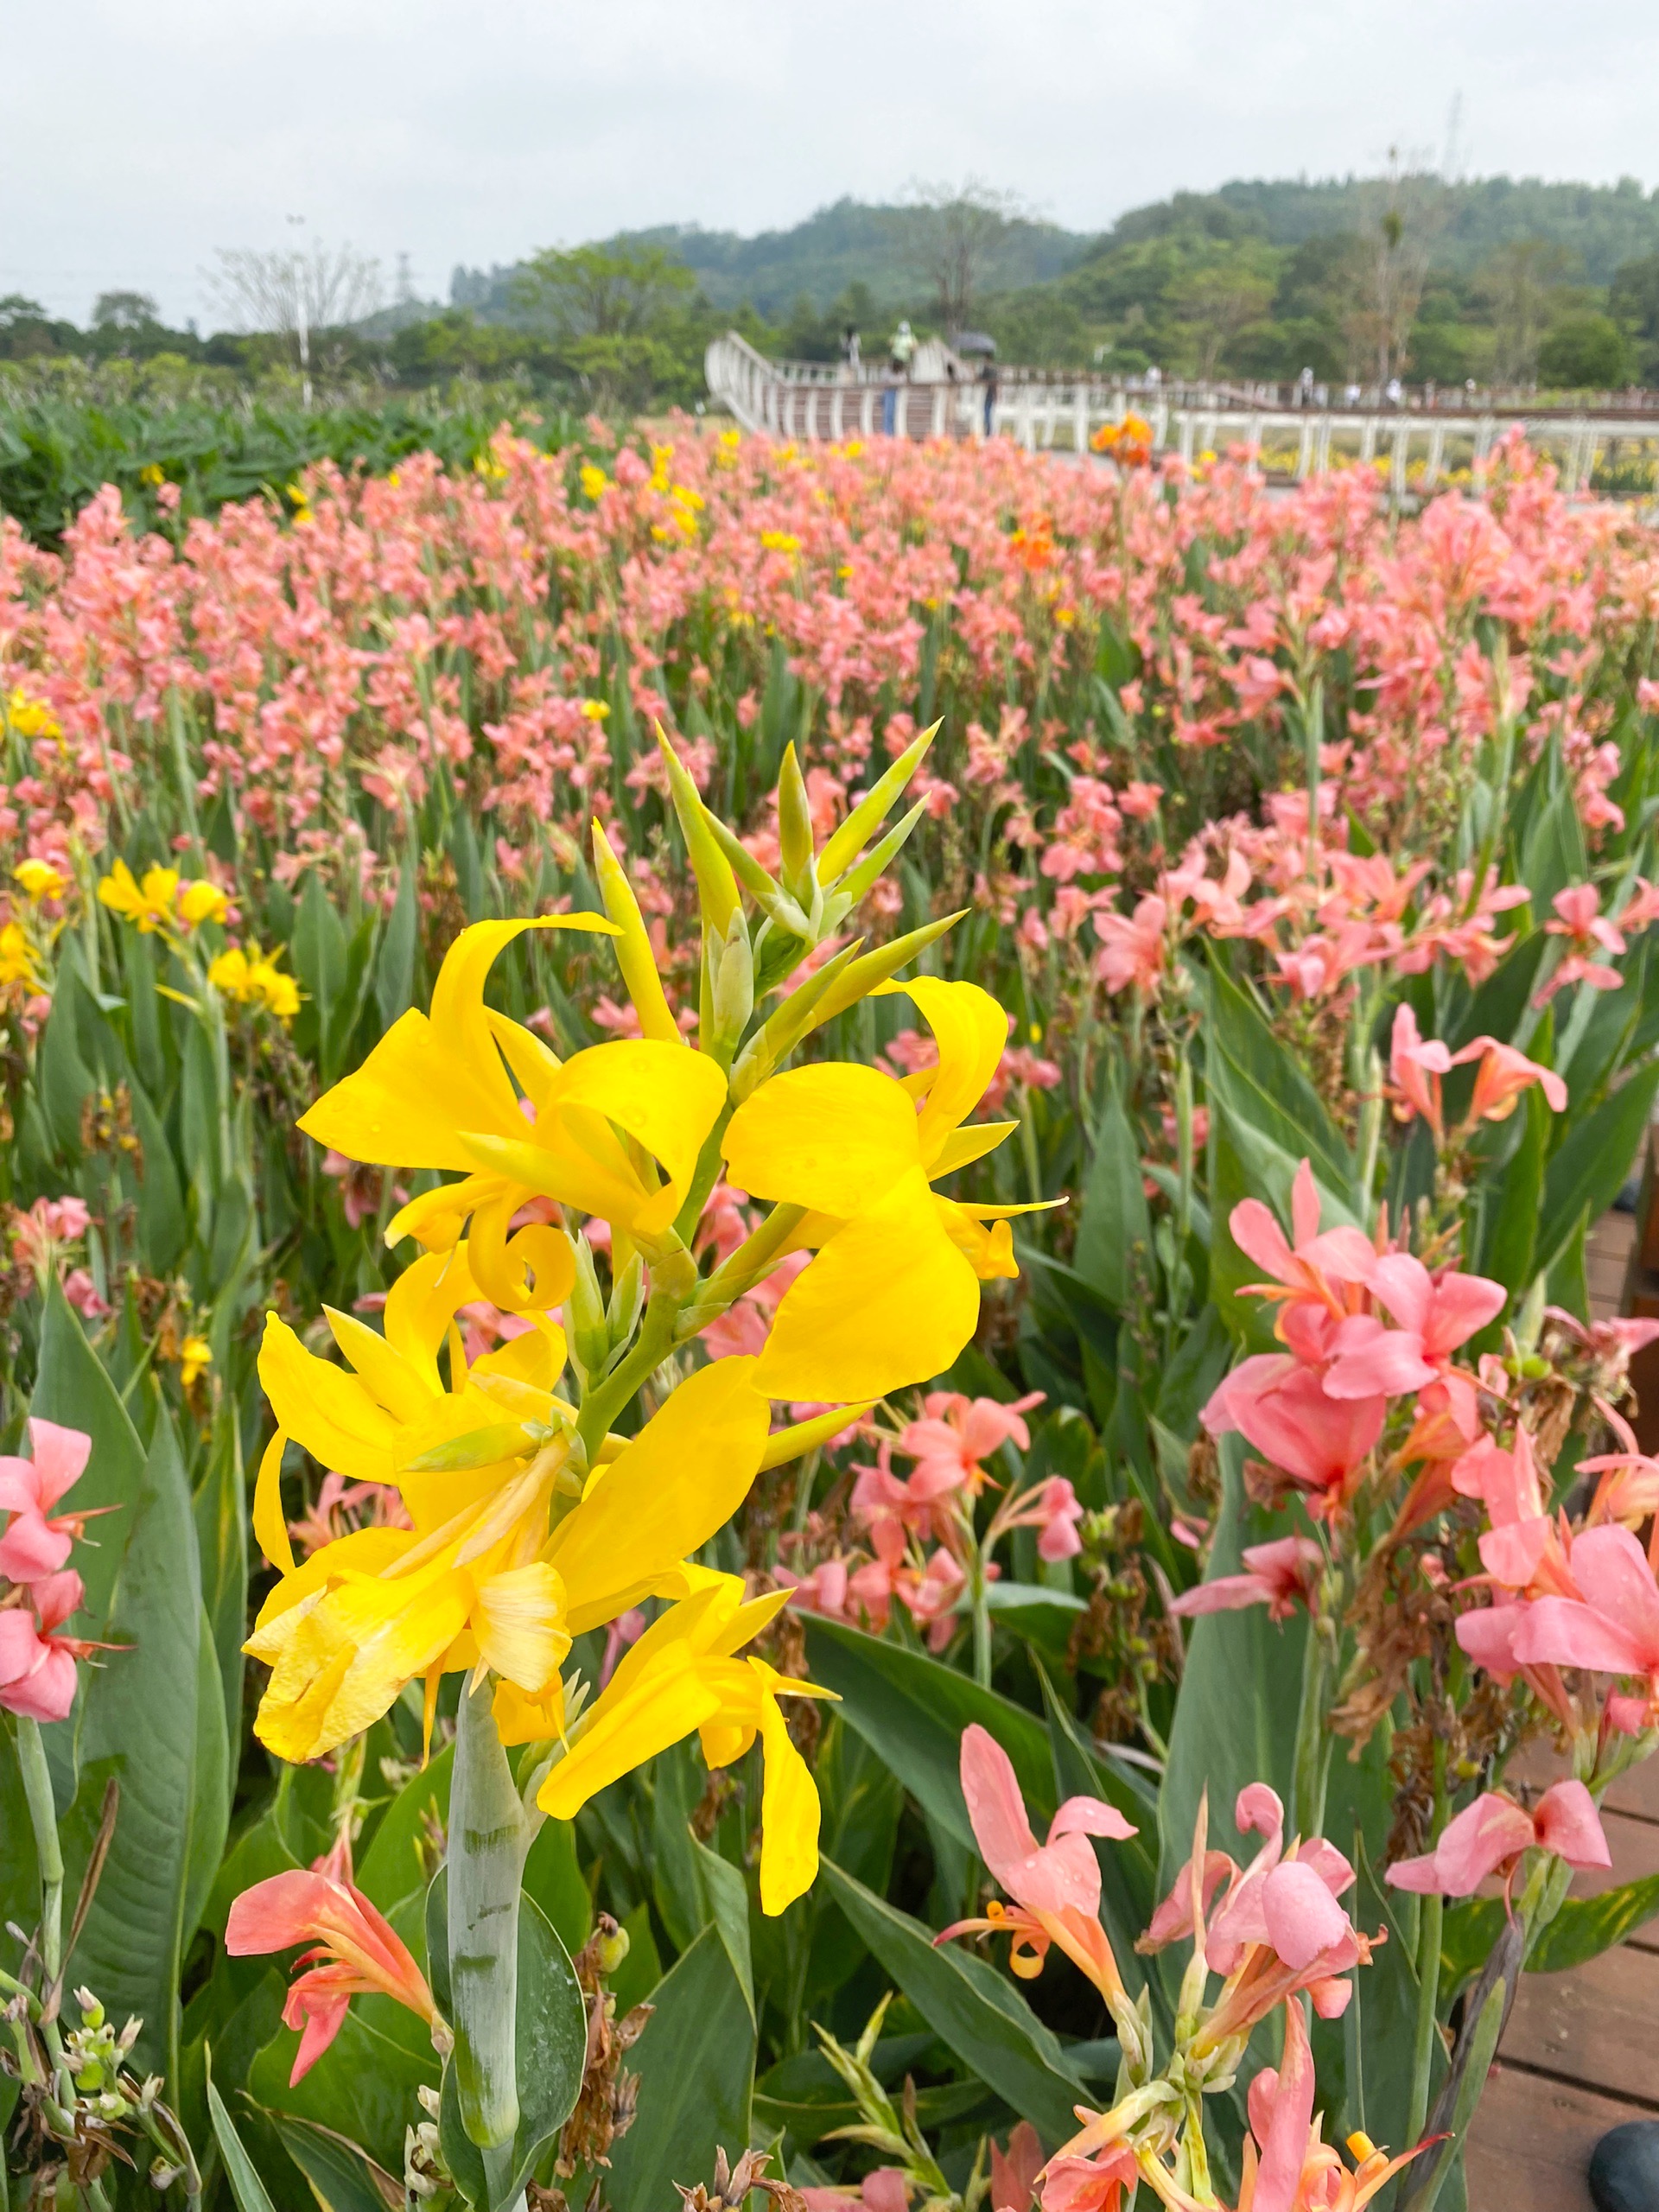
[{"x": 138, "y": 140}]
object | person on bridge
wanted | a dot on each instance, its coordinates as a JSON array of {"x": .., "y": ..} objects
[
  {"x": 987, "y": 392},
  {"x": 901, "y": 346},
  {"x": 849, "y": 351}
]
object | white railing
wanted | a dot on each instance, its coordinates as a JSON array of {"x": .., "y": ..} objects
[{"x": 1423, "y": 438}]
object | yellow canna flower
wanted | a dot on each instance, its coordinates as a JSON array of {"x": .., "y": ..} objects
[
  {"x": 252, "y": 978},
  {"x": 31, "y": 717},
  {"x": 149, "y": 904},
  {"x": 684, "y": 1674},
  {"x": 503, "y": 1565},
  {"x": 594, "y": 482},
  {"x": 595, "y": 710},
  {"x": 195, "y": 1355},
  {"x": 201, "y": 901},
  {"x": 38, "y": 878},
  {"x": 18, "y": 964},
  {"x": 616, "y": 1132}
]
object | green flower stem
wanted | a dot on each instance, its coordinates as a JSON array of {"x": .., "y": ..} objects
[
  {"x": 48, "y": 1850},
  {"x": 1313, "y": 1766},
  {"x": 487, "y": 1840},
  {"x": 1431, "y": 1920},
  {"x": 672, "y": 1276},
  {"x": 978, "y": 1590}
]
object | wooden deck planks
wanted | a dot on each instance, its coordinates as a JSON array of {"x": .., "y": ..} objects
[{"x": 1581, "y": 2052}]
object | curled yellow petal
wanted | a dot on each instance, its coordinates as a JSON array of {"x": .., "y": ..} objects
[
  {"x": 270, "y": 1529},
  {"x": 971, "y": 1030}
]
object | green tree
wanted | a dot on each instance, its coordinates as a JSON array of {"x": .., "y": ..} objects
[
  {"x": 1586, "y": 351},
  {"x": 611, "y": 311}
]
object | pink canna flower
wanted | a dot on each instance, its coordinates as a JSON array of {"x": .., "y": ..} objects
[
  {"x": 1103, "y": 2184},
  {"x": 359, "y": 1951},
  {"x": 1501, "y": 1076},
  {"x": 1280, "y": 1575},
  {"x": 1612, "y": 1627},
  {"x": 1288, "y": 2166},
  {"x": 1628, "y": 1489},
  {"x": 1436, "y": 1313},
  {"x": 955, "y": 1433},
  {"x": 1586, "y": 930},
  {"x": 1416, "y": 1069},
  {"x": 1133, "y": 947},
  {"x": 1521, "y": 1549},
  {"x": 1318, "y": 1442},
  {"x": 1054, "y": 1509},
  {"x": 1014, "y": 2172},
  {"x": 1491, "y": 1836},
  {"x": 38, "y": 1663},
  {"x": 35, "y": 1543},
  {"x": 1317, "y": 1268},
  {"x": 1047, "y": 1878}
]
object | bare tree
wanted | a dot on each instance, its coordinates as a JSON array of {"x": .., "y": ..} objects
[
  {"x": 1522, "y": 281},
  {"x": 963, "y": 225},
  {"x": 1407, "y": 210},
  {"x": 295, "y": 294}
]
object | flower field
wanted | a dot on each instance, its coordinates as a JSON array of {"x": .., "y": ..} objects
[{"x": 734, "y": 1175}]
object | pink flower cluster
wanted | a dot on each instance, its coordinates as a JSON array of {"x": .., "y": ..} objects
[{"x": 37, "y": 1659}]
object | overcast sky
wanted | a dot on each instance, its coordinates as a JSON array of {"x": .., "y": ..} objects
[{"x": 138, "y": 138}]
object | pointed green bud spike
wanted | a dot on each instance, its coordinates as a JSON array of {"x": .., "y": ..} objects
[
  {"x": 733, "y": 986},
  {"x": 717, "y": 892},
  {"x": 875, "y": 864},
  {"x": 843, "y": 847},
  {"x": 787, "y": 1024},
  {"x": 633, "y": 954},
  {"x": 794, "y": 826},
  {"x": 774, "y": 902},
  {"x": 862, "y": 978}
]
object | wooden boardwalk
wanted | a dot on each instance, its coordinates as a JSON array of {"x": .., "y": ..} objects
[{"x": 1581, "y": 2052}]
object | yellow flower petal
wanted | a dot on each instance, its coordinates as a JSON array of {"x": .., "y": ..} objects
[
  {"x": 790, "y": 1812},
  {"x": 392, "y": 1380},
  {"x": 270, "y": 1529},
  {"x": 972, "y": 1030},
  {"x": 888, "y": 1302},
  {"x": 633, "y": 1721},
  {"x": 633, "y": 953},
  {"x": 409, "y": 1102},
  {"x": 515, "y": 1619},
  {"x": 523, "y": 1274},
  {"x": 833, "y": 1137},
  {"x": 681, "y": 1479},
  {"x": 324, "y": 1409},
  {"x": 959, "y": 1146}
]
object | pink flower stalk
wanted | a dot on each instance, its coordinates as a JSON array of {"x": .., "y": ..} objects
[
  {"x": 1522, "y": 1549},
  {"x": 1585, "y": 930},
  {"x": 1492, "y": 1836},
  {"x": 1436, "y": 1313},
  {"x": 1488, "y": 1636},
  {"x": 35, "y": 1543},
  {"x": 1133, "y": 947},
  {"x": 957, "y": 1433},
  {"x": 1288, "y": 2166},
  {"x": 38, "y": 1664},
  {"x": 1503, "y": 1073},
  {"x": 359, "y": 1951},
  {"x": 1054, "y": 1509},
  {"x": 1314, "y": 1268},
  {"x": 1280, "y": 1575},
  {"x": 1055, "y": 1886},
  {"x": 1612, "y": 1627},
  {"x": 48, "y": 1223}
]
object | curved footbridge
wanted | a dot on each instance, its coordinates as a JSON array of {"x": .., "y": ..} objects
[{"x": 1423, "y": 439}]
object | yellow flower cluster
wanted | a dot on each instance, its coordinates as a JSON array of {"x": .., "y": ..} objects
[
  {"x": 163, "y": 901},
  {"x": 31, "y": 717},
  {"x": 38, "y": 878},
  {"x": 252, "y": 978},
  {"x": 532, "y": 1520}
]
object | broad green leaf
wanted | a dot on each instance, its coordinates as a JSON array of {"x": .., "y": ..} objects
[
  {"x": 551, "y": 2049},
  {"x": 911, "y": 1711},
  {"x": 72, "y": 1388},
  {"x": 394, "y": 968},
  {"x": 1511, "y": 1202},
  {"x": 163, "y": 1224},
  {"x": 1265, "y": 1085},
  {"x": 343, "y": 2179},
  {"x": 245, "y": 2185},
  {"x": 1241, "y": 1688},
  {"x": 1585, "y": 1176},
  {"x": 394, "y": 1866},
  {"x": 1553, "y": 854},
  {"x": 221, "y": 1510},
  {"x": 553, "y": 1877},
  {"x": 141, "y": 1725},
  {"x": 1582, "y": 1930},
  {"x": 1112, "y": 1219},
  {"x": 970, "y": 2007},
  {"x": 696, "y": 2064}
]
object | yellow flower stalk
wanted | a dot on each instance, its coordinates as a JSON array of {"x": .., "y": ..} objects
[
  {"x": 683, "y": 1674},
  {"x": 163, "y": 901},
  {"x": 503, "y": 1565},
  {"x": 893, "y": 1294},
  {"x": 38, "y": 878}
]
